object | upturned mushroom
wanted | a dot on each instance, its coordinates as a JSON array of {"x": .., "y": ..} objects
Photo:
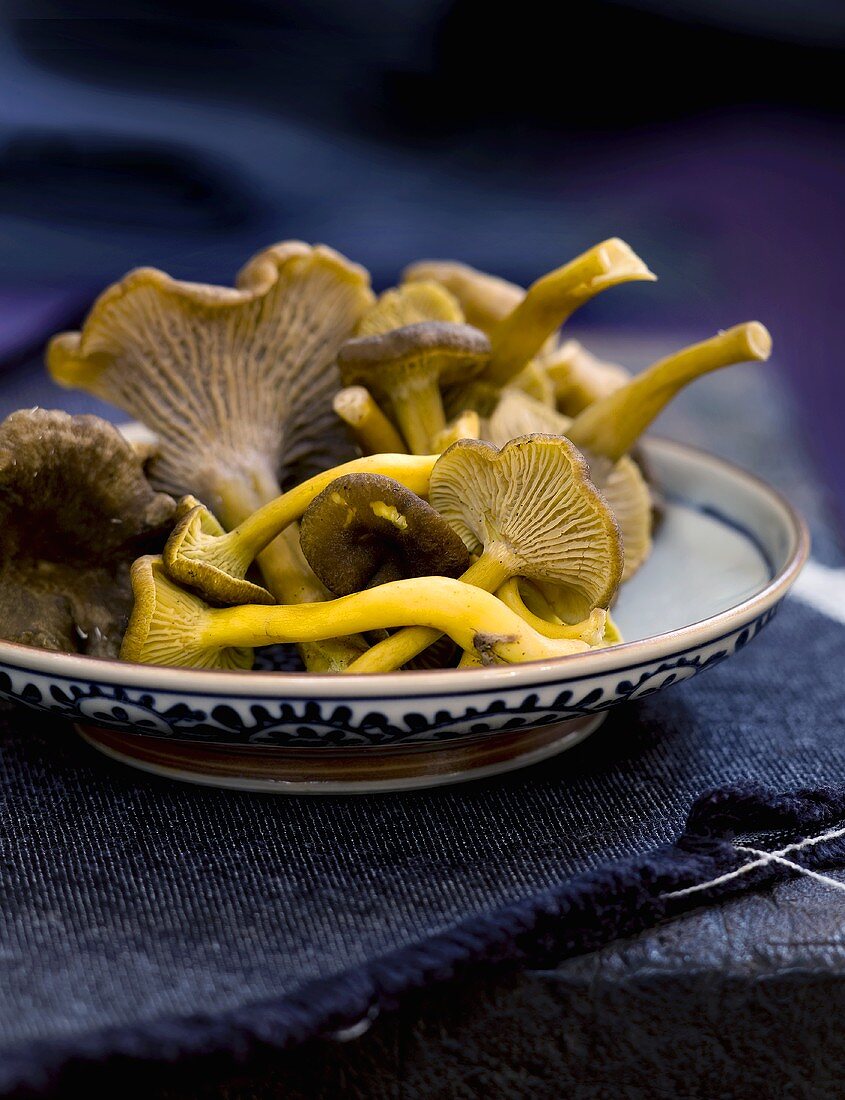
[
  {"x": 405, "y": 368},
  {"x": 366, "y": 529},
  {"x": 590, "y": 630},
  {"x": 170, "y": 626},
  {"x": 551, "y": 300},
  {"x": 611, "y": 426},
  {"x": 547, "y": 304},
  {"x": 75, "y": 510},
  {"x": 621, "y": 483},
  {"x": 528, "y": 510},
  {"x": 236, "y": 383},
  {"x": 201, "y": 555}
]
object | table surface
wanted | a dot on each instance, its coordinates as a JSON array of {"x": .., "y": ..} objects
[{"x": 750, "y": 986}]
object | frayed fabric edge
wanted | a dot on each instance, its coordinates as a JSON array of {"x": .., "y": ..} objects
[{"x": 722, "y": 850}]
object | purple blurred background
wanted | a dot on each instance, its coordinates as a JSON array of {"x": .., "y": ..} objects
[{"x": 709, "y": 135}]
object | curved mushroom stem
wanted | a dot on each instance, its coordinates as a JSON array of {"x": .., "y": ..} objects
[
  {"x": 488, "y": 573},
  {"x": 590, "y": 630},
  {"x": 612, "y": 425},
  {"x": 169, "y": 626},
  {"x": 373, "y": 432},
  {"x": 551, "y": 300},
  {"x": 216, "y": 565}
]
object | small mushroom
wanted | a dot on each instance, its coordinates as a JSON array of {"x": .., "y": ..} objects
[
  {"x": 236, "y": 383},
  {"x": 170, "y": 626},
  {"x": 528, "y": 510},
  {"x": 578, "y": 378},
  {"x": 410, "y": 305},
  {"x": 621, "y": 483},
  {"x": 367, "y": 529},
  {"x": 405, "y": 367},
  {"x": 552, "y": 299},
  {"x": 485, "y": 299},
  {"x": 75, "y": 510},
  {"x": 202, "y": 556},
  {"x": 528, "y": 331},
  {"x": 370, "y": 428}
]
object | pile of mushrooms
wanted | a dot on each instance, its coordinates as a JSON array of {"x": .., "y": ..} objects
[{"x": 431, "y": 478}]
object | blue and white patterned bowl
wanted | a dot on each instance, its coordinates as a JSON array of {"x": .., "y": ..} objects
[{"x": 727, "y": 551}]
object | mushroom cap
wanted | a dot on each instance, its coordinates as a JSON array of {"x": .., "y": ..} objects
[
  {"x": 410, "y": 305},
  {"x": 622, "y": 483},
  {"x": 73, "y": 490},
  {"x": 436, "y": 349},
  {"x": 366, "y": 529},
  {"x": 534, "y": 501},
  {"x": 230, "y": 379},
  {"x": 165, "y": 625},
  {"x": 485, "y": 299},
  {"x": 75, "y": 510},
  {"x": 198, "y": 556}
]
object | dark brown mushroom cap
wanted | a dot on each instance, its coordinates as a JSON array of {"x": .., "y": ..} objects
[
  {"x": 75, "y": 510},
  {"x": 450, "y": 351},
  {"x": 72, "y": 490},
  {"x": 366, "y": 529}
]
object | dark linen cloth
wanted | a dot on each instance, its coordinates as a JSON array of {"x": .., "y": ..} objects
[{"x": 142, "y": 920}]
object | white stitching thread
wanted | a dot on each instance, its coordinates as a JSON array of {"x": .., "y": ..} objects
[
  {"x": 765, "y": 858},
  {"x": 774, "y": 858}
]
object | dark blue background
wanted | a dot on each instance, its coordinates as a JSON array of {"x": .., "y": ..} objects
[{"x": 708, "y": 134}]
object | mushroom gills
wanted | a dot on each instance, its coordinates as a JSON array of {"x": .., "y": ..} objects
[{"x": 236, "y": 383}]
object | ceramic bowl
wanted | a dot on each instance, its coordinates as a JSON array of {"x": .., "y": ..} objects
[{"x": 726, "y": 552}]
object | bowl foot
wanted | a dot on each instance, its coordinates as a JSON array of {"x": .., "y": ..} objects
[{"x": 340, "y": 771}]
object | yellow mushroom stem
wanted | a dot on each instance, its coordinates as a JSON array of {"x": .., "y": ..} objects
[
  {"x": 418, "y": 408},
  {"x": 169, "y": 626},
  {"x": 551, "y": 300},
  {"x": 370, "y": 428},
  {"x": 612, "y": 425},
  {"x": 488, "y": 573},
  {"x": 465, "y": 426},
  {"x": 590, "y": 630}
]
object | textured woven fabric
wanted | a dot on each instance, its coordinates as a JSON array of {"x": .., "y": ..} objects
[{"x": 141, "y": 919}]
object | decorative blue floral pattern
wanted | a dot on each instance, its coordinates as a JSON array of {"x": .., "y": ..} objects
[{"x": 241, "y": 719}]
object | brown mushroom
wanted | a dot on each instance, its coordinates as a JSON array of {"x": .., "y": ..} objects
[
  {"x": 75, "y": 510},
  {"x": 366, "y": 529},
  {"x": 405, "y": 367}
]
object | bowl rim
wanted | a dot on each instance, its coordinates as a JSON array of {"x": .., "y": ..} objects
[{"x": 576, "y": 666}]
